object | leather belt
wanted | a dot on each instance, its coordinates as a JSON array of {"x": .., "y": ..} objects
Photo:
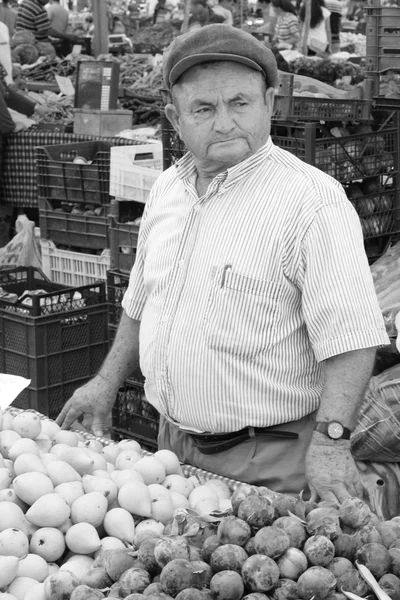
[{"x": 212, "y": 444}]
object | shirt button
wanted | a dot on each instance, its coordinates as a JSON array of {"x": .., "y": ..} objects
[
  {"x": 222, "y": 190},
  {"x": 196, "y": 208},
  {"x": 165, "y": 318},
  {"x": 181, "y": 263}
]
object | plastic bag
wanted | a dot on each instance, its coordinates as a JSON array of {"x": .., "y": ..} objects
[
  {"x": 382, "y": 487},
  {"x": 377, "y": 435},
  {"x": 23, "y": 250}
]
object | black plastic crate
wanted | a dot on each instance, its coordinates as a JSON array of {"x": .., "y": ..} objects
[
  {"x": 366, "y": 164},
  {"x": 382, "y": 33},
  {"x": 56, "y": 337},
  {"x": 173, "y": 147},
  {"x": 124, "y": 233},
  {"x": 60, "y": 178},
  {"x": 117, "y": 284},
  {"x": 133, "y": 417},
  {"x": 60, "y": 224}
]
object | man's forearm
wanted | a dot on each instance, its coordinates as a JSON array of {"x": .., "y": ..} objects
[
  {"x": 346, "y": 379},
  {"x": 123, "y": 357},
  {"x": 57, "y": 34}
]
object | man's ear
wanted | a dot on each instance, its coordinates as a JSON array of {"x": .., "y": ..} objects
[
  {"x": 269, "y": 98},
  {"x": 173, "y": 117}
]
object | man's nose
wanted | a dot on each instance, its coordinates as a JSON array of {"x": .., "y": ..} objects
[{"x": 223, "y": 119}]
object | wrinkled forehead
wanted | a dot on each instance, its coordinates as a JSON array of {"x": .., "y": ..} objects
[{"x": 217, "y": 78}]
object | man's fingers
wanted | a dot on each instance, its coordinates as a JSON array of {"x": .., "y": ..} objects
[
  {"x": 63, "y": 413},
  {"x": 71, "y": 415},
  {"x": 327, "y": 495},
  {"x": 98, "y": 426}
]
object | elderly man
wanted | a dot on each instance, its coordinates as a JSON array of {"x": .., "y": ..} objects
[{"x": 251, "y": 297}]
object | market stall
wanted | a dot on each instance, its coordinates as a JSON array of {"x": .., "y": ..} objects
[{"x": 83, "y": 516}]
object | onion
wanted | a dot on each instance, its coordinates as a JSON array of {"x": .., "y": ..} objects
[
  {"x": 370, "y": 165},
  {"x": 387, "y": 162}
]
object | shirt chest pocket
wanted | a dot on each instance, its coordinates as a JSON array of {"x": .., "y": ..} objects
[{"x": 242, "y": 314}]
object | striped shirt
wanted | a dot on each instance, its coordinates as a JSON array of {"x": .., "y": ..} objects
[
  {"x": 33, "y": 17},
  {"x": 287, "y": 29},
  {"x": 243, "y": 292}
]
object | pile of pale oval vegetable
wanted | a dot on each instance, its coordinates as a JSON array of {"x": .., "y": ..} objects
[{"x": 83, "y": 521}]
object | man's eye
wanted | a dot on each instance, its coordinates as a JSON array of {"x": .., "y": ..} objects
[
  {"x": 202, "y": 111},
  {"x": 241, "y": 103}
]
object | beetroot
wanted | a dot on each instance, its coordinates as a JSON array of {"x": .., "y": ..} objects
[
  {"x": 391, "y": 585},
  {"x": 294, "y": 529},
  {"x": 319, "y": 550},
  {"x": 169, "y": 548},
  {"x": 260, "y": 573},
  {"x": 285, "y": 589},
  {"x": 351, "y": 581},
  {"x": 345, "y": 546},
  {"x": 367, "y": 535},
  {"x": 233, "y": 530},
  {"x": 271, "y": 541},
  {"x": 394, "y": 554},
  {"x": 97, "y": 578},
  {"x": 209, "y": 545},
  {"x": 240, "y": 494},
  {"x": 292, "y": 563},
  {"x": 323, "y": 521},
  {"x": 228, "y": 557},
  {"x": 201, "y": 574},
  {"x": 354, "y": 513},
  {"x": 190, "y": 594},
  {"x": 376, "y": 557},
  {"x": 250, "y": 547},
  {"x": 255, "y": 596},
  {"x": 133, "y": 581},
  {"x": 177, "y": 575},
  {"x": 227, "y": 585},
  {"x": 316, "y": 582},
  {"x": 390, "y": 532},
  {"x": 84, "y": 592},
  {"x": 146, "y": 555},
  {"x": 257, "y": 511},
  {"x": 340, "y": 565}
]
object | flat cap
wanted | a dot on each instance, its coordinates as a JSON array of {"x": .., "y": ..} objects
[{"x": 217, "y": 42}]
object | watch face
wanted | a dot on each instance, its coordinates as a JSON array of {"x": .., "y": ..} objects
[{"x": 335, "y": 430}]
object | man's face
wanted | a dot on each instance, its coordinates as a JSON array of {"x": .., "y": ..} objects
[{"x": 222, "y": 113}]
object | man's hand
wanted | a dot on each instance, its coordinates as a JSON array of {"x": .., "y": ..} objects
[
  {"x": 96, "y": 398},
  {"x": 331, "y": 471}
]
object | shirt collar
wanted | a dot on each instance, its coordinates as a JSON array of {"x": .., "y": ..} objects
[{"x": 186, "y": 167}]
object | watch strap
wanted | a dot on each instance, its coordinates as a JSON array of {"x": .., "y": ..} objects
[{"x": 323, "y": 427}]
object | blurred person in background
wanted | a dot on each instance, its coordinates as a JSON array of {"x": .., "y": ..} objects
[
  {"x": 335, "y": 9},
  {"x": 319, "y": 34},
  {"x": 58, "y": 16},
  {"x": 220, "y": 11},
  {"x": 287, "y": 28},
  {"x": 32, "y": 16},
  {"x": 8, "y": 16}
]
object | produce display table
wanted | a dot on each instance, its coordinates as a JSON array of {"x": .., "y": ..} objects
[{"x": 18, "y": 185}]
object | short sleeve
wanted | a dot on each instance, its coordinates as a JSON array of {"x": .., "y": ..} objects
[
  {"x": 339, "y": 302},
  {"x": 42, "y": 22}
]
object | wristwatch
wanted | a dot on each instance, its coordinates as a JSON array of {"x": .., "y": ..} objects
[{"x": 333, "y": 429}]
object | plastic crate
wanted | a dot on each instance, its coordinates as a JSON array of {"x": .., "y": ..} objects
[
  {"x": 124, "y": 233},
  {"x": 173, "y": 147},
  {"x": 122, "y": 176},
  {"x": 68, "y": 229},
  {"x": 134, "y": 184},
  {"x": 383, "y": 37},
  {"x": 357, "y": 159},
  {"x": 117, "y": 284},
  {"x": 58, "y": 338},
  {"x": 59, "y": 178},
  {"x": 289, "y": 107},
  {"x": 71, "y": 267},
  {"x": 133, "y": 417}
]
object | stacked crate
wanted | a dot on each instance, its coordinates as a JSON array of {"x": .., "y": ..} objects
[
  {"x": 74, "y": 207},
  {"x": 383, "y": 52},
  {"x": 364, "y": 159},
  {"x": 55, "y": 336},
  {"x": 132, "y": 174}
]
